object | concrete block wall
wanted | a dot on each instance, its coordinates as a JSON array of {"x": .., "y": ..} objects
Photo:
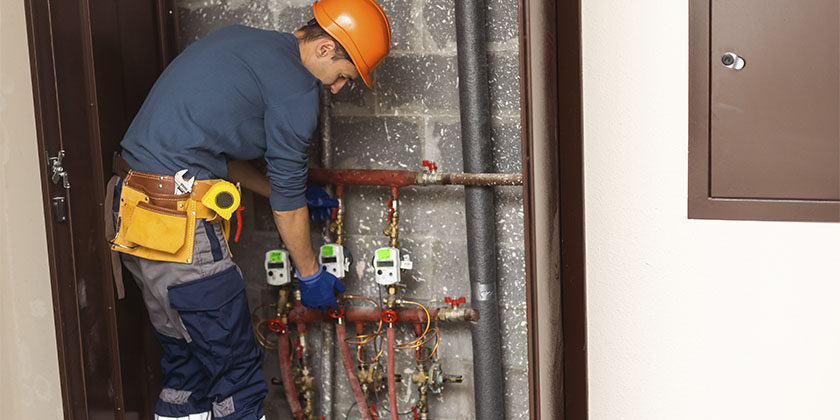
[{"x": 412, "y": 114}]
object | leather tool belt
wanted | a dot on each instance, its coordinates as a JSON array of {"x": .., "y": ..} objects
[{"x": 153, "y": 222}]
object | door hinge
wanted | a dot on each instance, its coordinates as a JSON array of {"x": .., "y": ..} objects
[{"x": 58, "y": 172}]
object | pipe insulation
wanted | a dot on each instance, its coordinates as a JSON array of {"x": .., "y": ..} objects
[
  {"x": 474, "y": 94},
  {"x": 326, "y": 386}
]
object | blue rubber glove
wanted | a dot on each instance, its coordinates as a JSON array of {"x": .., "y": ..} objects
[
  {"x": 320, "y": 204},
  {"x": 318, "y": 290}
]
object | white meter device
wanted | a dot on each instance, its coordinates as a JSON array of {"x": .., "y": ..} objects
[
  {"x": 387, "y": 265},
  {"x": 332, "y": 259},
  {"x": 278, "y": 270}
]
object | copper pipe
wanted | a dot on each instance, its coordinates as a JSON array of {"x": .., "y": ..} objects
[
  {"x": 400, "y": 178},
  {"x": 360, "y": 329},
  {"x": 418, "y": 331},
  {"x": 287, "y": 377},
  {"x": 302, "y": 314},
  {"x": 341, "y": 333}
]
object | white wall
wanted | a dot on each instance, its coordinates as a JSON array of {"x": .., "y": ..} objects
[
  {"x": 689, "y": 319},
  {"x": 29, "y": 382}
]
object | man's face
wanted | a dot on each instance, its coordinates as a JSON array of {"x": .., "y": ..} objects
[{"x": 331, "y": 69}]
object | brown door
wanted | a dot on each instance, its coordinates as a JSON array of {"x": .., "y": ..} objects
[
  {"x": 92, "y": 62},
  {"x": 773, "y": 118}
]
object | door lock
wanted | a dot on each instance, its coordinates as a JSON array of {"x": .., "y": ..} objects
[
  {"x": 58, "y": 172},
  {"x": 733, "y": 61}
]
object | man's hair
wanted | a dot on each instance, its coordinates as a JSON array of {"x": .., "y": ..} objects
[{"x": 313, "y": 32}]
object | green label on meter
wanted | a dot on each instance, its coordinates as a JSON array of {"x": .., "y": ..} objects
[
  {"x": 276, "y": 257},
  {"x": 327, "y": 251},
  {"x": 383, "y": 254}
]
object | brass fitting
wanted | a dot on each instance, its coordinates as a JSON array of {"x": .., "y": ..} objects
[
  {"x": 305, "y": 384},
  {"x": 283, "y": 305},
  {"x": 391, "y": 300},
  {"x": 392, "y": 229},
  {"x": 421, "y": 378},
  {"x": 337, "y": 225}
]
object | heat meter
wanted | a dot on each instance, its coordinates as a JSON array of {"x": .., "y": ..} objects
[
  {"x": 278, "y": 270},
  {"x": 332, "y": 259},
  {"x": 386, "y": 266}
]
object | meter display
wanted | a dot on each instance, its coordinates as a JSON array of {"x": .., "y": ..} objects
[
  {"x": 386, "y": 268},
  {"x": 278, "y": 270},
  {"x": 331, "y": 257}
]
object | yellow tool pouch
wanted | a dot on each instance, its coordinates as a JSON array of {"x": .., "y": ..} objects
[
  {"x": 156, "y": 228},
  {"x": 154, "y": 232}
]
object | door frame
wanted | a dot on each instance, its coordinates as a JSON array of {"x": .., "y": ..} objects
[
  {"x": 83, "y": 93},
  {"x": 552, "y": 144}
]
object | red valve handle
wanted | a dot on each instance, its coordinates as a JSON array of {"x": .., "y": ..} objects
[
  {"x": 391, "y": 210},
  {"x": 389, "y": 316},
  {"x": 336, "y": 314},
  {"x": 429, "y": 164},
  {"x": 373, "y": 411},
  {"x": 298, "y": 349},
  {"x": 415, "y": 413},
  {"x": 276, "y": 325},
  {"x": 455, "y": 302},
  {"x": 238, "y": 223}
]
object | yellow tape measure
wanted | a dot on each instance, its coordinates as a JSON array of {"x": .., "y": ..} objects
[{"x": 223, "y": 198}]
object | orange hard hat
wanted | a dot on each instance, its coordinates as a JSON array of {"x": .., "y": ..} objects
[{"x": 361, "y": 27}]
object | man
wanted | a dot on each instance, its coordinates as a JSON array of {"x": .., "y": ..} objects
[{"x": 236, "y": 95}]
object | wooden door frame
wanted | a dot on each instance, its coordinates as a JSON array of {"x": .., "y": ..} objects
[
  {"x": 82, "y": 97},
  {"x": 552, "y": 145}
]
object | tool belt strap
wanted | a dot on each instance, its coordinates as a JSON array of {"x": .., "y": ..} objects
[{"x": 160, "y": 189}]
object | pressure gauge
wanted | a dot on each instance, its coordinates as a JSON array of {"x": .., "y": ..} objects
[
  {"x": 277, "y": 267},
  {"x": 333, "y": 260}
]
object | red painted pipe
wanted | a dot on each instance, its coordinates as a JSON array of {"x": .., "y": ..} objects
[
  {"x": 400, "y": 178},
  {"x": 392, "y": 380},
  {"x": 362, "y": 177},
  {"x": 302, "y": 314},
  {"x": 287, "y": 376},
  {"x": 341, "y": 333}
]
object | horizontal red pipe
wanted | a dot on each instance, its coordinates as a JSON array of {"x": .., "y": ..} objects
[
  {"x": 362, "y": 177},
  {"x": 302, "y": 314},
  {"x": 400, "y": 178}
]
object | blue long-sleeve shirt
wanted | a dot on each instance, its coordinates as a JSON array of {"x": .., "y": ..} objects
[{"x": 238, "y": 94}]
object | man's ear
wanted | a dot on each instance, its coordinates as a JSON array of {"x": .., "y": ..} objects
[{"x": 326, "y": 47}]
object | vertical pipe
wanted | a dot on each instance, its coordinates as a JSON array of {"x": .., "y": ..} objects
[
  {"x": 474, "y": 94},
  {"x": 327, "y": 361},
  {"x": 358, "y": 395},
  {"x": 287, "y": 376},
  {"x": 392, "y": 377}
]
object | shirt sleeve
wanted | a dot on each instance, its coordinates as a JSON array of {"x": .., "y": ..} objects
[{"x": 288, "y": 127}]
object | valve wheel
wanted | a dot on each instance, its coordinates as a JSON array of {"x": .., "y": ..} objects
[
  {"x": 277, "y": 326},
  {"x": 389, "y": 316},
  {"x": 336, "y": 314}
]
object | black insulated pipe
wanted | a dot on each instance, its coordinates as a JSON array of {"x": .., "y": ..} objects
[{"x": 474, "y": 91}]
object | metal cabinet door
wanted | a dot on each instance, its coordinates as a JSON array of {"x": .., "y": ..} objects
[{"x": 774, "y": 130}]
